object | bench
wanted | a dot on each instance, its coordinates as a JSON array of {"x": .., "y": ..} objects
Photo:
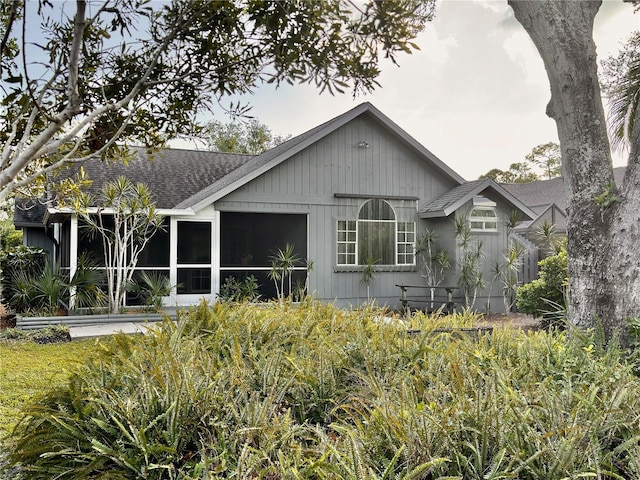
[{"x": 445, "y": 304}]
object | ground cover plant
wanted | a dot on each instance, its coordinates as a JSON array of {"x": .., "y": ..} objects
[{"x": 276, "y": 391}]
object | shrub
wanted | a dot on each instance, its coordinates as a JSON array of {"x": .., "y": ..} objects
[
  {"x": 316, "y": 392},
  {"x": 545, "y": 295},
  {"x": 22, "y": 261}
]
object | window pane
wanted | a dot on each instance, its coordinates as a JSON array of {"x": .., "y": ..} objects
[
  {"x": 251, "y": 239},
  {"x": 376, "y": 209},
  {"x": 194, "y": 280},
  {"x": 156, "y": 253},
  {"x": 376, "y": 240},
  {"x": 194, "y": 243}
]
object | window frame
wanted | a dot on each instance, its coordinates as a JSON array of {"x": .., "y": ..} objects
[
  {"x": 484, "y": 220},
  {"x": 348, "y": 236}
]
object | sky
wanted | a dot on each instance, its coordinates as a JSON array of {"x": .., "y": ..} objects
[{"x": 474, "y": 95}]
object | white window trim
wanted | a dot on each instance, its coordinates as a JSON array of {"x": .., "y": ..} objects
[
  {"x": 484, "y": 220},
  {"x": 355, "y": 243}
]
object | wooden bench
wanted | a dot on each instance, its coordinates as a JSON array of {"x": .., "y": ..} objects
[{"x": 445, "y": 304}]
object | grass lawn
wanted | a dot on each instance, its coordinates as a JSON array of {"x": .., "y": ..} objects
[{"x": 27, "y": 369}]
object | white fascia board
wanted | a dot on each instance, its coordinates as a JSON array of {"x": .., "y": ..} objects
[{"x": 166, "y": 212}]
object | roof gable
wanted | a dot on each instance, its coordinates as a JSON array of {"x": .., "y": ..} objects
[
  {"x": 270, "y": 159},
  {"x": 455, "y": 198}
]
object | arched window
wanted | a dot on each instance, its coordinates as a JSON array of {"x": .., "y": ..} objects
[
  {"x": 375, "y": 235},
  {"x": 483, "y": 219}
]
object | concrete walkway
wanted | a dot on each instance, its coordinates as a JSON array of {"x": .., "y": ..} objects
[{"x": 109, "y": 329}]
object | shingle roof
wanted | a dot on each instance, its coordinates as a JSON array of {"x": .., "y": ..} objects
[
  {"x": 449, "y": 199},
  {"x": 27, "y": 213},
  {"x": 452, "y": 200},
  {"x": 172, "y": 175}
]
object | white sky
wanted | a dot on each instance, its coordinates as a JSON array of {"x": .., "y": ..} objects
[{"x": 475, "y": 95}]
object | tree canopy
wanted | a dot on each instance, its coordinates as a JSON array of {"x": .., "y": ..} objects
[
  {"x": 82, "y": 79},
  {"x": 544, "y": 162},
  {"x": 250, "y": 137}
]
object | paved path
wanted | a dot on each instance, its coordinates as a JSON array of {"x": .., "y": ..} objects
[{"x": 108, "y": 329}]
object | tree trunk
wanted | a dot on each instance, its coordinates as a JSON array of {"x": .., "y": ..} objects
[{"x": 604, "y": 285}]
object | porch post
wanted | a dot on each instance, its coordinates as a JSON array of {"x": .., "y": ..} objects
[
  {"x": 215, "y": 254},
  {"x": 173, "y": 254},
  {"x": 73, "y": 256}
]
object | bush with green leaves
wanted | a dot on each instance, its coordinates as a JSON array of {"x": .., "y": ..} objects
[
  {"x": 276, "y": 391},
  {"x": 235, "y": 290},
  {"x": 44, "y": 290},
  {"x": 545, "y": 296},
  {"x": 10, "y": 238},
  {"x": 52, "y": 334},
  {"x": 21, "y": 260}
]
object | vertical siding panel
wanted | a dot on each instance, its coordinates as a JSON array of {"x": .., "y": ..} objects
[{"x": 307, "y": 181}]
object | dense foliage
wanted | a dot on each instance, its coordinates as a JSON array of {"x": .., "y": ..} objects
[
  {"x": 545, "y": 295},
  {"x": 103, "y": 74},
  {"x": 316, "y": 392},
  {"x": 250, "y": 137}
]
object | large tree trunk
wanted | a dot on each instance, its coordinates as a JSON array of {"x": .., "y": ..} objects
[{"x": 603, "y": 219}]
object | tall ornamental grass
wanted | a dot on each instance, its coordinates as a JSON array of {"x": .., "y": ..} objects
[{"x": 270, "y": 392}]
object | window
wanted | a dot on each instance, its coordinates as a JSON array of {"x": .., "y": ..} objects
[
  {"x": 483, "y": 219},
  {"x": 406, "y": 242},
  {"x": 375, "y": 235}
]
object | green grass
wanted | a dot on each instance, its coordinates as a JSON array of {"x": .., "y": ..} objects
[{"x": 28, "y": 369}]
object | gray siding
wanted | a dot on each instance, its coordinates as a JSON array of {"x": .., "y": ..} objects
[
  {"x": 337, "y": 165},
  {"x": 37, "y": 237}
]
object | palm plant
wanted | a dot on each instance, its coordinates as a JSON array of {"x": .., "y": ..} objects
[
  {"x": 470, "y": 275},
  {"x": 435, "y": 261},
  {"x": 621, "y": 85},
  {"x": 368, "y": 274},
  {"x": 86, "y": 284},
  {"x": 282, "y": 264},
  {"x": 152, "y": 287},
  {"x": 548, "y": 236}
]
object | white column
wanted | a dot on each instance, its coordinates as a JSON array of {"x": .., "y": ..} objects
[
  {"x": 73, "y": 255},
  {"x": 215, "y": 255},
  {"x": 173, "y": 254}
]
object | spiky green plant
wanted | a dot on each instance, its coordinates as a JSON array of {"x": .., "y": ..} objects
[{"x": 279, "y": 391}]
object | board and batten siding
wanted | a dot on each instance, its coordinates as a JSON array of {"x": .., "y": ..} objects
[
  {"x": 494, "y": 248},
  {"x": 336, "y": 164}
]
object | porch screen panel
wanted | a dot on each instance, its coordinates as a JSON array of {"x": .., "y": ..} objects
[
  {"x": 194, "y": 257},
  {"x": 248, "y": 241},
  {"x": 156, "y": 252}
]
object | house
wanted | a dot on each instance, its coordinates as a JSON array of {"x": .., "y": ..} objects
[
  {"x": 353, "y": 189},
  {"x": 547, "y": 200}
]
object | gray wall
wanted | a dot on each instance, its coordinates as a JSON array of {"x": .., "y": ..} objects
[{"x": 336, "y": 165}]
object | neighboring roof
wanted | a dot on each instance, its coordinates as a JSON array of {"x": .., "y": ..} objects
[
  {"x": 546, "y": 192},
  {"x": 279, "y": 154},
  {"x": 541, "y": 210},
  {"x": 455, "y": 198},
  {"x": 28, "y": 214}
]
